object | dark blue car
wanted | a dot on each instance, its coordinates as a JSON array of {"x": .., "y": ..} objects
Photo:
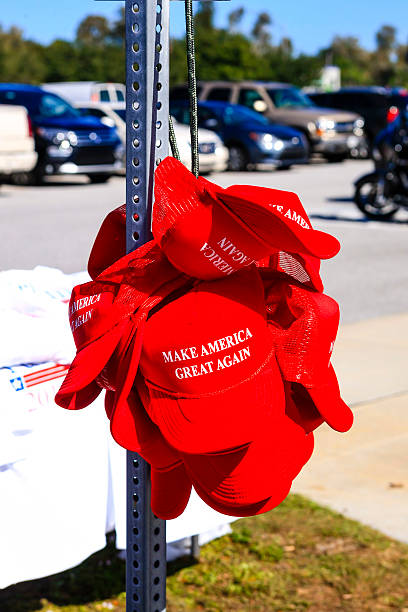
[
  {"x": 66, "y": 141},
  {"x": 250, "y": 138}
]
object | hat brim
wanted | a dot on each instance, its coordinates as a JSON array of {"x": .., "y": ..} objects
[
  {"x": 86, "y": 366},
  {"x": 110, "y": 242},
  {"x": 222, "y": 420},
  {"x": 170, "y": 491},
  {"x": 262, "y": 222},
  {"x": 326, "y": 398},
  {"x": 243, "y": 479},
  {"x": 270, "y": 228},
  {"x": 132, "y": 428},
  {"x": 300, "y": 408}
]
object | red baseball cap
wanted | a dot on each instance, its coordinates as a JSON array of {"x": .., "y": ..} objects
[
  {"x": 304, "y": 269},
  {"x": 304, "y": 326},
  {"x": 209, "y": 232},
  {"x": 209, "y": 365},
  {"x": 105, "y": 315},
  {"x": 256, "y": 477},
  {"x": 133, "y": 429},
  {"x": 110, "y": 242}
]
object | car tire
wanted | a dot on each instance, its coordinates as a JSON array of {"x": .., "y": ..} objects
[
  {"x": 366, "y": 198},
  {"x": 28, "y": 179},
  {"x": 238, "y": 159},
  {"x": 336, "y": 158},
  {"x": 99, "y": 178}
]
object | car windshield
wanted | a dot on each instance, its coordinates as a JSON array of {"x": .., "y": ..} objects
[
  {"x": 40, "y": 104},
  {"x": 233, "y": 115},
  {"x": 290, "y": 97}
]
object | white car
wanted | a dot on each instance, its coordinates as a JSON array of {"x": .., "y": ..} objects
[
  {"x": 17, "y": 149},
  {"x": 213, "y": 156}
]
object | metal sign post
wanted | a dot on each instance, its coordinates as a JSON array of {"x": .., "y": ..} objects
[
  {"x": 147, "y": 138},
  {"x": 147, "y": 111}
]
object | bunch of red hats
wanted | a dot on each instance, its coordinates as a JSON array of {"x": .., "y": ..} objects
[{"x": 212, "y": 341}]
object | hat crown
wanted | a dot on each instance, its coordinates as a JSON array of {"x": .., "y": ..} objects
[{"x": 209, "y": 339}]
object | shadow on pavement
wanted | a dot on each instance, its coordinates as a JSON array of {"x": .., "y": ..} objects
[
  {"x": 333, "y": 217},
  {"x": 340, "y": 199},
  {"x": 101, "y": 576}
]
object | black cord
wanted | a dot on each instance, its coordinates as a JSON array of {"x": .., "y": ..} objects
[
  {"x": 192, "y": 85},
  {"x": 172, "y": 140}
]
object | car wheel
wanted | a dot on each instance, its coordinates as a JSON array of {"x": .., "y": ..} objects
[
  {"x": 238, "y": 159},
  {"x": 336, "y": 158},
  {"x": 35, "y": 177},
  {"x": 371, "y": 202},
  {"x": 99, "y": 178}
]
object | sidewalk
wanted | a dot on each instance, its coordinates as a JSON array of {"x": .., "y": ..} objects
[{"x": 364, "y": 473}]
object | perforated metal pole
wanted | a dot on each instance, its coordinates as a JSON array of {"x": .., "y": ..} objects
[
  {"x": 147, "y": 110},
  {"x": 147, "y": 138}
]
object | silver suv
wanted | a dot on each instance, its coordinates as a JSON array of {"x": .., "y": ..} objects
[{"x": 331, "y": 133}]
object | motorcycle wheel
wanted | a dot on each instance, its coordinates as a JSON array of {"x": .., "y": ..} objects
[{"x": 371, "y": 203}]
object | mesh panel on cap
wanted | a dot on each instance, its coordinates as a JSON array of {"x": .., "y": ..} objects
[
  {"x": 175, "y": 196},
  {"x": 292, "y": 267},
  {"x": 296, "y": 345}
]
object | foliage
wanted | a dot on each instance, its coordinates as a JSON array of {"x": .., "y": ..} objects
[
  {"x": 97, "y": 53},
  {"x": 298, "y": 556}
]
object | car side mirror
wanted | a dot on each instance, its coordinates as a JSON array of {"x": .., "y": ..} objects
[{"x": 260, "y": 106}]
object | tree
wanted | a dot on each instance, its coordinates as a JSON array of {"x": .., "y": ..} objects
[
  {"x": 61, "y": 61},
  {"x": 118, "y": 29},
  {"x": 260, "y": 31},
  {"x": 21, "y": 61},
  {"x": 234, "y": 18},
  {"x": 384, "y": 66},
  {"x": 93, "y": 30},
  {"x": 385, "y": 39},
  {"x": 354, "y": 61},
  {"x": 204, "y": 17}
]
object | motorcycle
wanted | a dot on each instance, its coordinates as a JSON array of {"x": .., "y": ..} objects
[{"x": 380, "y": 194}]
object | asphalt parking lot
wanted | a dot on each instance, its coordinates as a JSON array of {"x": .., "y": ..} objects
[{"x": 55, "y": 224}]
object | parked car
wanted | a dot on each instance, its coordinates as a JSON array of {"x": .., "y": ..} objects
[
  {"x": 65, "y": 141},
  {"x": 88, "y": 91},
  {"x": 250, "y": 138},
  {"x": 213, "y": 156},
  {"x": 372, "y": 103},
  {"x": 17, "y": 149},
  {"x": 327, "y": 131}
]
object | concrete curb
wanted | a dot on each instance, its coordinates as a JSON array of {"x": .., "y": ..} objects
[{"x": 364, "y": 473}]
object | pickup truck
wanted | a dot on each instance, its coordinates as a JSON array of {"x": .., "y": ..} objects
[{"x": 17, "y": 149}]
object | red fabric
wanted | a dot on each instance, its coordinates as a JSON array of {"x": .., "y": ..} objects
[
  {"x": 213, "y": 342},
  {"x": 303, "y": 325},
  {"x": 108, "y": 310},
  {"x": 207, "y": 358},
  {"x": 254, "y": 472},
  {"x": 209, "y": 232},
  {"x": 110, "y": 242},
  {"x": 133, "y": 429}
]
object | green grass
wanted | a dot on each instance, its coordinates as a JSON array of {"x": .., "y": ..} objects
[{"x": 298, "y": 557}]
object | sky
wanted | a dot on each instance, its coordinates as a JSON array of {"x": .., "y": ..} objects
[{"x": 311, "y": 25}]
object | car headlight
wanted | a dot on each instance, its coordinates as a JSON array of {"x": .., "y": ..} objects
[
  {"x": 358, "y": 126},
  {"x": 64, "y": 150},
  {"x": 325, "y": 125},
  {"x": 57, "y": 136},
  {"x": 268, "y": 142}
]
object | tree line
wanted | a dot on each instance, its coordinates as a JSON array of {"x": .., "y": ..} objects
[{"x": 98, "y": 54}]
